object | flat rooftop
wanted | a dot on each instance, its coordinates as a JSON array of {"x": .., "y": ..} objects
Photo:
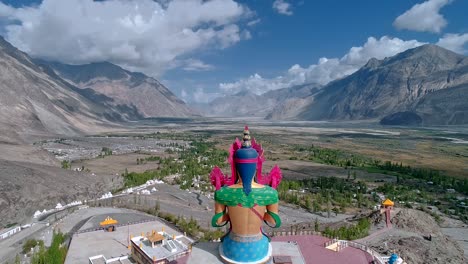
[
  {"x": 168, "y": 248},
  {"x": 312, "y": 248},
  {"x": 99, "y": 260},
  {"x": 102, "y": 260}
]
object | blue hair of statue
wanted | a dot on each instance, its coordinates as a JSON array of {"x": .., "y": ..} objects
[{"x": 246, "y": 171}]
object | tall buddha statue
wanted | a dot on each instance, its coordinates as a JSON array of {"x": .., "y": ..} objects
[{"x": 246, "y": 200}]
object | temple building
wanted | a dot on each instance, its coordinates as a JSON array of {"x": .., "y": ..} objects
[{"x": 159, "y": 247}]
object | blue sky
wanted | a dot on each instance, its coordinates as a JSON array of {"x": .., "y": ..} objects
[{"x": 251, "y": 45}]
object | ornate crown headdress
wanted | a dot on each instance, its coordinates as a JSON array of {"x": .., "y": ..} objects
[{"x": 243, "y": 153}]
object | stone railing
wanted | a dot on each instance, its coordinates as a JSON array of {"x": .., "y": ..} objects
[
  {"x": 376, "y": 256},
  {"x": 345, "y": 243},
  {"x": 341, "y": 244}
]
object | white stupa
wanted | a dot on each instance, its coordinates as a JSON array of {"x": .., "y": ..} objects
[{"x": 37, "y": 214}]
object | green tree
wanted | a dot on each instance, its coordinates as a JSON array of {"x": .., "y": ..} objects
[
  {"x": 336, "y": 210},
  {"x": 308, "y": 203},
  {"x": 66, "y": 164},
  {"x": 157, "y": 207},
  {"x": 55, "y": 254},
  {"x": 31, "y": 243},
  {"x": 316, "y": 206}
]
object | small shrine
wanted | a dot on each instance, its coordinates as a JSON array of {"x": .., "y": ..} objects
[
  {"x": 109, "y": 224},
  {"x": 388, "y": 203},
  {"x": 155, "y": 239},
  {"x": 387, "y": 206}
]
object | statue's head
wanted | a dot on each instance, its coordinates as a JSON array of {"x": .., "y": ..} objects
[{"x": 246, "y": 159}]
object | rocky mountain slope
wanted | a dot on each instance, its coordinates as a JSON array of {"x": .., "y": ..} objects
[
  {"x": 126, "y": 89},
  {"x": 277, "y": 103},
  {"x": 426, "y": 85},
  {"x": 241, "y": 104},
  {"x": 41, "y": 98},
  {"x": 33, "y": 101},
  {"x": 444, "y": 107},
  {"x": 428, "y": 81},
  {"x": 291, "y": 101}
]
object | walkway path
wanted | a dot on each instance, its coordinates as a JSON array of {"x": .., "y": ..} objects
[{"x": 375, "y": 234}]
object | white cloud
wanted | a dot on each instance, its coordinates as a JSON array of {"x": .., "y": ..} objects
[
  {"x": 140, "y": 34},
  {"x": 197, "y": 65},
  {"x": 325, "y": 70},
  {"x": 184, "y": 95},
  {"x": 257, "y": 84},
  {"x": 378, "y": 48},
  {"x": 246, "y": 35},
  {"x": 282, "y": 7},
  {"x": 253, "y": 22},
  {"x": 455, "y": 42},
  {"x": 423, "y": 17},
  {"x": 5, "y": 11},
  {"x": 200, "y": 96}
]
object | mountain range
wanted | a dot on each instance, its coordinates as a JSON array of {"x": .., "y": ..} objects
[
  {"x": 427, "y": 85},
  {"x": 423, "y": 81},
  {"x": 46, "y": 98},
  {"x": 246, "y": 103},
  {"x": 146, "y": 95}
]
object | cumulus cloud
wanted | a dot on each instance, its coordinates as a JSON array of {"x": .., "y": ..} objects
[
  {"x": 142, "y": 35},
  {"x": 455, "y": 42},
  {"x": 423, "y": 17},
  {"x": 325, "y": 70},
  {"x": 282, "y": 7},
  {"x": 197, "y": 65}
]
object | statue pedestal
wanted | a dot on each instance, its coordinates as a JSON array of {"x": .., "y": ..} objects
[{"x": 265, "y": 260}]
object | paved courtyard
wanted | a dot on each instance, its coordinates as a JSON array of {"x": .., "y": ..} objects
[{"x": 109, "y": 244}]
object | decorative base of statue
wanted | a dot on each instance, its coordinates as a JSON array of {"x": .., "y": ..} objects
[{"x": 253, "y": 249}]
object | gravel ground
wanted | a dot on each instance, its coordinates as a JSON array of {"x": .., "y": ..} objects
[
  {"x": 91, "y": 147},
  {"x": 460, "y": 235},
  {"x": 26, "y": 187},
  {"x": 407, "y": 238},
  {"x": 11, "y": 246}
]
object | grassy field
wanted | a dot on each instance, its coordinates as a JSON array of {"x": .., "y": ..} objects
[
  {"x": 442, "y": 149},
  {"x": 416, "y": 148}
]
